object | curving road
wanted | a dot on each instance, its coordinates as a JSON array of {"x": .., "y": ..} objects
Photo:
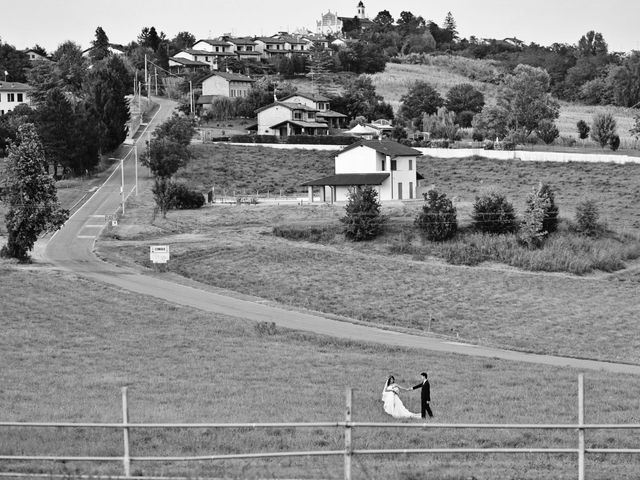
[{"x": 71, "y": 248}]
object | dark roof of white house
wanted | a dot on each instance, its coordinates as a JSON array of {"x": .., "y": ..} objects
[
  {"x": 386, "y": 147},
  {"x": 14, "y": 87},
  {"x": 231, "y": 77},
  {"x": 349, "y": 180}
]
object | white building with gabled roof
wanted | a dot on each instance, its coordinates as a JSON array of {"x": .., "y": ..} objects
[{"x": 387, "y": 166}]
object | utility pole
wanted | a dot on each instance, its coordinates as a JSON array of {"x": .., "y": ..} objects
[
  {"x": 122, "y": 183},
  {"x": 135, "y": 152},
  {"x": 146, "y": 75},
  {"x": 156, "y": 75},
  {"x": 191, "y": 96}
]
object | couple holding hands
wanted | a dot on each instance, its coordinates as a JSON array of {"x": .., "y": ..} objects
[{"x": 394, "y": 406}]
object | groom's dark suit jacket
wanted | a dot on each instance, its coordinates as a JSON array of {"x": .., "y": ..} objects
[{"x": 426, "y": 391}]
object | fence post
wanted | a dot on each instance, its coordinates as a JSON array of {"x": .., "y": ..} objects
[
  {"x": 580, "y": 423},
  {"x": 125, "y": 430},
  {"x": 347, "y": 436}
]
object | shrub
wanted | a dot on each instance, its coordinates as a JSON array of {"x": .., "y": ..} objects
[
  {"x": 547, "y": 131},
  {"x": 438, "y": 219},
  {"x": 603, "y": 128},
  {"x": 587, "y": 218},
  {"x": 583, "y": 129},
  {"x": 614, "y": 142},
  {"x": 254, "y": 139},
  {"x": 321, "y": 139},
  {"x": 492, "y": 213},
  {"x": 540, "y": 217},
  {"x": 182, "y": 198},
  {"x": 488, "y": 145},
  {"x": 363, "y": 220},
  {"x": 465, "y": 118}
]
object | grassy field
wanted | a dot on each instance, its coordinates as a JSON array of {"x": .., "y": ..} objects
[
  {"x": 65, "y": 356},
  {"x": 233, "y": 247},
  {"x": 444, "y": 74}
]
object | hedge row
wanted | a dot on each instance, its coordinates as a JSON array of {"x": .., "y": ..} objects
[{"x": 296, "y": 139}]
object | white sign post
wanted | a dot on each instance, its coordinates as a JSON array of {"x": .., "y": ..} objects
[{"x": 159, "y": 253}]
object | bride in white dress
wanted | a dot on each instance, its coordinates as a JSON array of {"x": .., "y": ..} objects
[{"x": 392, "y": 403}]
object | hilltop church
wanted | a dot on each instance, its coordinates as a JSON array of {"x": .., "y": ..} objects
[{"x": 331, "y": 23}]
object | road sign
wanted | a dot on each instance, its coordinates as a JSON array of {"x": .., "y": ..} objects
[{"x": 159, "y": 253}]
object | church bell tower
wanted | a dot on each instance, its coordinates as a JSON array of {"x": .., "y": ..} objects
[{"x": 361, "y": 10}]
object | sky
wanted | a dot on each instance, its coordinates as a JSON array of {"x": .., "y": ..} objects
[{"x": 51, "y": 22}]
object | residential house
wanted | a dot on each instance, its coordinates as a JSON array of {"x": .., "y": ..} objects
[
  {"x": 214, "y": 52},
  {"x": 244, "y": 48},
  {"x": 113, "y": 49},
  {"x": 296, "y": 44},
  {"x": 272, "y": 48},
  {"x": 178, "y": 65},
  {"x": 13, "y": 94},
  {"x": 223, "y": 84},
  {"x": 36, "y": 56},
  {"x": 388, "y": 166},
  {"x": 323, "y": 107},
  {"x": 290, "y": 118}
]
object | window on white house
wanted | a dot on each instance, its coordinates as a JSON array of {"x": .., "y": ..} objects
[
  {"x": 383, "y": 162},
  {"x": 19, "y": 97},
  {"x": 394, "y": 165},
  {"x": 11, "y": 97},
  {"x": 297, "y": 115},
  {"x": 410, "y": 164}
]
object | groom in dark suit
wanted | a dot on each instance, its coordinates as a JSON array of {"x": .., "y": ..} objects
[{"x": 425, "y": 395}]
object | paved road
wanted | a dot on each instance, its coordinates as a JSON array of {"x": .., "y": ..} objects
[{"x": 71, "y": 248}]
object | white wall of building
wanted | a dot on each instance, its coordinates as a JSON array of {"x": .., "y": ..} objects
[
  {"x": 272, "y": 116},
  {"x": 528, "y": 156},
  {"x": 11, "y": 98}
]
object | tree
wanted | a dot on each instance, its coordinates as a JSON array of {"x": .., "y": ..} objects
[
  {"x": 149, "y": 38},
  {"x": 106, "y": 94},
  {"x": 421, "y": 98},
  {"x": 492, "y": 213},
  {"x": 603, "y": 128},
  {"x": 438, "y": 219},
  {"x": 587, "y": 218},
  {"x": 178, "y": 129},
  {"x": 543, "y": 196},
  {"x": 55, "y": 127},
  {"x": 363, "y": 219},
  {"x": 100, "y": 46},
  {"x": 635, "y": 130},
  {"x": 592, "y": 44},
  {"x": 182, "y": 41},
  {"x": 441, "y": 125},
  {"x": 450, "y": 27},
  {"x": 547, "y": 131},
  {"x": 384, "y": 20},
  {"x": 624, "y": 81},
  {"x": 490, "y": 124},
  {"x": 525, "y": 100},
  {"x": 10, "y": 122},
  {"x": 165, "y": 157},
  {"x": 583, "y": 129},
  {"x": 360, "y": 99},
  {"x": 464, "y": 98},
  {"x": 30, "y": 195},
  {"x": 14, "y": 62}
]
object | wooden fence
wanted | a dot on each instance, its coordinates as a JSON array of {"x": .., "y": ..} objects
[{"x": 347, "y": 453}]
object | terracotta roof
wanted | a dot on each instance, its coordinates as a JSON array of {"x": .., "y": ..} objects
[
  {"x": 241, "y": 41},
  {"x": 386, "y": 147},
  {"x": 232, "y": 77},
  {"x": 290, "y": 106},
  {"x": 310, "y": 96},
  {"x": 300, "y": 123},
  {"x": 14, "y": 86},
  {"x": 214, "y": 42},
  {"x": 331, "y": 114},
  {"x": 188, "y": 62},
  {"x": 349, "y": 179},
  {"x": 269, "y": 40}
]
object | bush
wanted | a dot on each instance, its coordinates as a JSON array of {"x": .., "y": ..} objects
[
  {"x": 182, "y": 198},
  {"x": 540, "y": 217},
  {"x": 547, "y": 131},
  {"x": 583, "y": 129},
  {"x": 603, "y": 128},
  {"x": 438, "y": 219},
  {"x": 321, "y": 139},
  {"x": 254, "y": 139},
  {"x": 363, "y": 220},
  {"x": 614, "y": 142},
  {"x": 465, "y": 118},
  {"x": 492, "y": 213},
  {"x": 587, "y": 216}
]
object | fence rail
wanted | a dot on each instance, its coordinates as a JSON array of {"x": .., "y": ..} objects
[{"x": 349, "y": 451}]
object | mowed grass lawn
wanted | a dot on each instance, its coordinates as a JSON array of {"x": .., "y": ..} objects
[
  {"x": 69, "y": 344},
  {"x": 233, "y": 247}
]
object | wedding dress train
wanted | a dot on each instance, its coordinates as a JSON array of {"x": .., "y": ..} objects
[{"x": 393, "y": 405}]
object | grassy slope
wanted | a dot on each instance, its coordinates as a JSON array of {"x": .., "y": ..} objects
[
  {"x": 66, "y": 361},
  {"x": 395, "y": 80},
  {"x": 232, "y": 247}
]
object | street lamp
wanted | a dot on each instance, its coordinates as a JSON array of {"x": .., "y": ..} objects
[{"x": 191, "y": 96}]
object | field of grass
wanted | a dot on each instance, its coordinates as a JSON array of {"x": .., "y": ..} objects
[
  {"x": 250, "y": 169},
  {"x": 233, "y": 247},
  {"x": 67, "y": 351}
]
